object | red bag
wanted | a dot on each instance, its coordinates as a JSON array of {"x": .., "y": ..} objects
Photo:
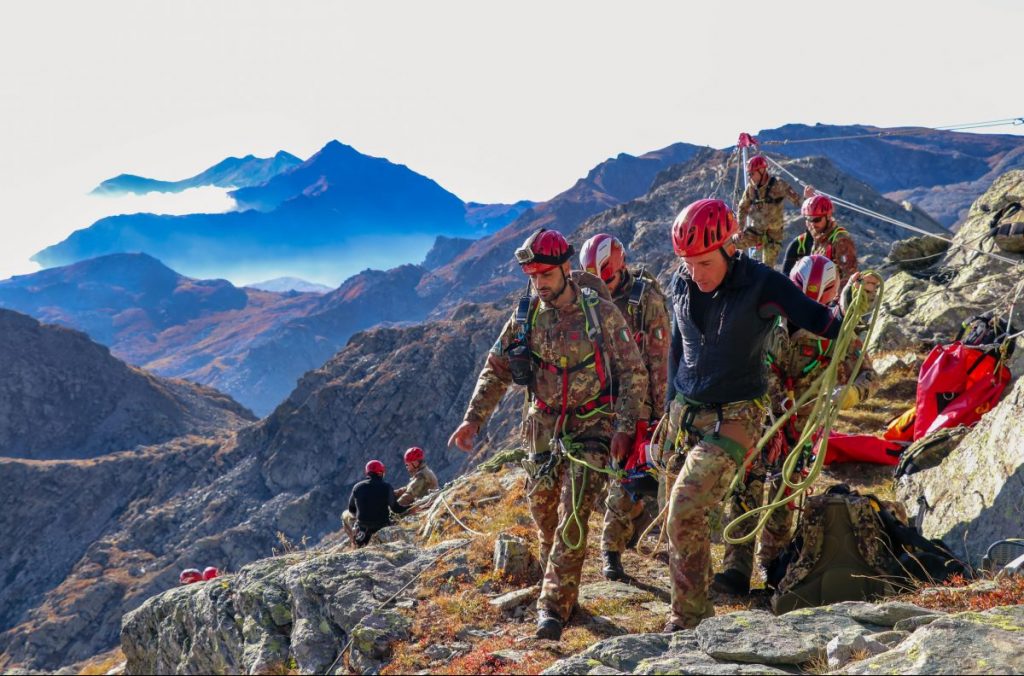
[
  {"x": 957, "y": 385},
  {"x": 862, "y": 448}
]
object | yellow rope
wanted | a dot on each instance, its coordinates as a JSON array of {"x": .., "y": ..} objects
[{"x": 822, "y": 417}]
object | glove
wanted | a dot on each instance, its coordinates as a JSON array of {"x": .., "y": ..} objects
[
  {"x": 846, "y": 397},
  {"x": 869, "y": 283}
]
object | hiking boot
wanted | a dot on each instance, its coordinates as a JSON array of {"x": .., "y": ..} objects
[
  {"x": 548, "y": 626},
  {"x": 613, "y": 566},
  {"x": 671, "y": 628},
  {"x": 731, "y": 582}
]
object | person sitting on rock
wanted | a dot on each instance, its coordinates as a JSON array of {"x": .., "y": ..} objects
[
  {"x": 823, "y": 237},
  {"x": 763, "y": 200},
  {"x": 642, "y": 303},
  {"x": 724, "y": 305},
  {"x": 796, "y": 357},
  {"x": 422, "y": 479},
  {"x": 370, "y": 505}
]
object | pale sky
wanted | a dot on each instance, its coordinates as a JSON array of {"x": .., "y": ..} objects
[{"x": 494, "y": 101}]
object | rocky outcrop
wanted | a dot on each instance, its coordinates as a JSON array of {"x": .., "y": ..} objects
[
  {"x": 929, "y": 306},
  {"x": 755, "y": 642},
  {"x": 294, "y": 612},
  {"x": 64, "y": 396},
  {"x": 976, "y": 495}
]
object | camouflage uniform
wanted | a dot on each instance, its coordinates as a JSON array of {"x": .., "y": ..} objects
[
  {"x": 651, "y": 327},
  {"x": 835, "y": 244},
  {"x": 796, "y": 361},
  {"x": 764, "y": 206},
  {"x": 420, "y": 483},
  {"x": 711, "y": 463},
  {"x": 558, "y": 337}
]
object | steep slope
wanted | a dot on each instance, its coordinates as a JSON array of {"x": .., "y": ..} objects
[
  {"x": 267, "y": 370},
  {"x": 152, "y": 317},
  {"x": 222, "y": 501},
  {"x": 232, "y": 172},
  {"x": 64, "y": 396}
]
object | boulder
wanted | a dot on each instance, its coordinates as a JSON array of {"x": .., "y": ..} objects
[
  {"x": 288, "y": 612},
  {"x": 513, "y": 558},
  {"x": 991, "y": 642},
  {"x": 850, "y": 645}
]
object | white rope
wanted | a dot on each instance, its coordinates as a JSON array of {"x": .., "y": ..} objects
[{"x": 888, "y": 219}]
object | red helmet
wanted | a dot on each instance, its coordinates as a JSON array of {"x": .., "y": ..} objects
[
  {"x": 542, "y": 251},
  {"x": 190, "y": 575},
  {"x": 603, "y": 255},
  {"x": 414, "y": 454},
  {"x": 816, "y": 207},
  {"x": 210, "y": 572},
  {"x": 817, "y": 277},
  {"x": 756, "y": 162},
  {"x": 375, "y": 467},
  {"x": 704, "y": 226}
]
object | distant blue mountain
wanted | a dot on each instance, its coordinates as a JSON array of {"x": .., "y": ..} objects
[
  {"x": 233, "y": 172},
  {"x": 336, "y": 213}
]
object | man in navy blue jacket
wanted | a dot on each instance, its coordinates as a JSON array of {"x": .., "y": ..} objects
[{"x": 723, "y": 306}]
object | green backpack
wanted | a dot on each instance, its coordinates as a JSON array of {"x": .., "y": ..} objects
[{"x": 840, "y": 553}]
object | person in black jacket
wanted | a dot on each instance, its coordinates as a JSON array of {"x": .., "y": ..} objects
[
  {"x": 370, "y": 505},
  {"x": 723, "y": 306}
]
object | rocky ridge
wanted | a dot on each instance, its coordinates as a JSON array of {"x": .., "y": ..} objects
[
  {"x": 330, "y": 611},
  {"x": 64, "y": 396}
]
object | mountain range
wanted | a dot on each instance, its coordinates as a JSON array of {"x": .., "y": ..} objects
[
  {"x": 232, "y": 172},
  {"x": 326, "y": 218},
  {"x": 90, "y": 534}
]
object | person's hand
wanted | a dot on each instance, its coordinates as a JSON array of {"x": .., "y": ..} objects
[
  {"x": 869, "y": 282},
  {"x": 622, "y": 444},
  {"x": 462, "y": 438},
  {"x": 809, "y": 191}
]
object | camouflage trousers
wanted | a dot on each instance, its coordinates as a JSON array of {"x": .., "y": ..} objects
[
  {"x": 777, "y": 530},
  {"x": 702, "y": 483},
  {"x": 768, "y": 241},
  {"x": 624, "y": 517},
  {"x": 551, "y": 505}
]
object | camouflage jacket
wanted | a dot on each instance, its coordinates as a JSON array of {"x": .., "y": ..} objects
[
  {"x": 651, "y": 327},
  {"x": 835, "y": 244},
  {"x": 558, "y": 338},
  {"x": 764, "y": 205},
  {"x": 420, "y": 483},
  {"x": 797, "y": 359}
]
